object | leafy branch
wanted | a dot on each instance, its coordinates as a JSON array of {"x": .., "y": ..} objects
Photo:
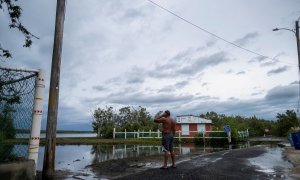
[{"x": 15, "y": 12}]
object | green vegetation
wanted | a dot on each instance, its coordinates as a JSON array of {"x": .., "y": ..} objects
[
  {"x": 256, "y": 126},
  {"x": 133, "y": 119},
  {"x": 129, "y": 118},
  {"x": 7, "y": 131}
]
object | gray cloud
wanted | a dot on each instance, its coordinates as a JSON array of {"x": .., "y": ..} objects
[
  {"x": 99, "y": 88},
  {"x": 277, "y": 100},
  {"x": 133, "y": 13},
  {"x": 244, "y": 40},
  {"x": 146, "y": 99},
  {"x": 294, "y": 82},
  {"x": 278, "y": 70},
  {"x": 172, "y": 88},
  {"x": 211, "y": 43},
  {"x": 258, "y": 59},
  {"x": 256, "y": 93},
  {"x": 135, "y": 80},
  {"x": 265, "y": 61},
  {"x": 204, "y": 84},
  {"x": 181, "y": 56},
  {"x": 282, "y": 93},
  {"x": 230, "y": 71},
  {"x": 181, "y": 84},
  {"x": 240, "y": 73},
  {"x": 202, "y": 63}
]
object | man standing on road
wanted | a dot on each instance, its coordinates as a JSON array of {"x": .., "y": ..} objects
[{"x": 168, "y": 132}]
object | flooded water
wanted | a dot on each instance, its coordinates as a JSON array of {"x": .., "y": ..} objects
[
  {"x": 272, "y": 163},
  {"x": 76, "y": 157}
]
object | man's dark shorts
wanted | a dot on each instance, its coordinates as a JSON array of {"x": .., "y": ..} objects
[{"x": 167, "y": 142}]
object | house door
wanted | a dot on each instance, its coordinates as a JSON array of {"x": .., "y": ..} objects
[{"x": 185, "y": 129}]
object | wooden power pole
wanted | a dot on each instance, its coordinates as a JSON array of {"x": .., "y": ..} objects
[
  {"x": 49, "y": 156},
  {"x": 298, "y": 41}
]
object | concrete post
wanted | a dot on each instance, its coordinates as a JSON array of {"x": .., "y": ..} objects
[{"x": 34, "y": 140}]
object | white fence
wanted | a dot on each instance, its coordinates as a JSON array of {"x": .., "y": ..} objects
[{"x": 179, "y": 134}]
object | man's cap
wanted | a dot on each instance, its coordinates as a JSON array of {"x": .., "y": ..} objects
[{"x": 168, "y": 112}]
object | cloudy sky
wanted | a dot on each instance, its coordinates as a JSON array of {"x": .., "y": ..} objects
[{"x": 133, "y": 52}]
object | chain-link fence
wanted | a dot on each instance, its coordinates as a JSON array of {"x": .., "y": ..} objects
[{"x": 17, "y": 100}]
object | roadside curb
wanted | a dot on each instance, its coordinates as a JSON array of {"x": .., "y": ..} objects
[{"x": 293, "y": 156}]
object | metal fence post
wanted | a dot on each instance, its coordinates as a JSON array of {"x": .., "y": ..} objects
[
  {"x": 125, "y": 134},
  {"x": 114, "y": 134},
  {"x": 229, "y": 136},
  {"x": 179, "y": 135}
]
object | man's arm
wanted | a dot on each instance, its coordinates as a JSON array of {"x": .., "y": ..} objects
[
  {"x": 173, "y": 127},
  {"x": 160, "y": 119}
]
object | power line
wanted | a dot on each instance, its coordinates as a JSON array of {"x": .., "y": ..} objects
[{"x": 216, "y": 36}]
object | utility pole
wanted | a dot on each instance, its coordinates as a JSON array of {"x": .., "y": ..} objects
[
  {"x": 298, "y": 50},
  {"x": 298, "y": 42},
  {"x": 296, "y": 32},
  {"x": 49, "y": 156}
]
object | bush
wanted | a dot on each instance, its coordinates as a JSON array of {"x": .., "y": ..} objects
[{"x": 212, "y": 141}]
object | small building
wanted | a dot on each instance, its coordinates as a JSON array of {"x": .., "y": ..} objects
[{"x": 190, "y": 125}]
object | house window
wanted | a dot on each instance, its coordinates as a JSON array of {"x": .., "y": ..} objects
[
  {"x": 185, "y": 129},
  {"x": 201, "y": 127}
]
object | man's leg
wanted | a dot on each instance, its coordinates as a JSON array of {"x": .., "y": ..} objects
[
  {"x": 172, "y": 152},
  {"x": 173, "y": 159},
  {"x": 165, "y": 149},
  {"x": 166, "y": 156}
]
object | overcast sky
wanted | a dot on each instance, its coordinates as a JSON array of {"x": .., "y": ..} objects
[{"x": 132, "y": 52}]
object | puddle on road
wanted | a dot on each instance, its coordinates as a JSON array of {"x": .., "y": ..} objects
[{"x": 272, "y": 163}]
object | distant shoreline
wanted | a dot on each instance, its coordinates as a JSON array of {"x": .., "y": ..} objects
[
  {"x": 58, "y": 131},
  {"x": 86, "y": 141}
]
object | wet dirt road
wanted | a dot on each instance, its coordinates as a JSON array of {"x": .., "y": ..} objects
[{"x": 232, "y": 164}]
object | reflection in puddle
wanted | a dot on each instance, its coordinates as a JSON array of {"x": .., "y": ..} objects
[
  {"x": 272, "y": 163},
  {"x": 77, "y": 157}
]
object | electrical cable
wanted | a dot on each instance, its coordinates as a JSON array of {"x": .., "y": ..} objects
[{"x": 216, "y": 36}]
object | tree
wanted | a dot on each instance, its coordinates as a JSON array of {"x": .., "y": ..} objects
[
  {"x": 212, "y": 116},
  {"x": 7, "y": 130},
  {"x": 15, "y": 11},
  {"x": 129, "y": 118},
  {"x": 102, "y": 119},
  {"x": 285, "y": 122}
]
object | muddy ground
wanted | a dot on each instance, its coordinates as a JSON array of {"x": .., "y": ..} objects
[
  {"x": 232, "y": 164},
  {"x": 113, "y": 169},
  {"x": 129, "y": 166}
]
